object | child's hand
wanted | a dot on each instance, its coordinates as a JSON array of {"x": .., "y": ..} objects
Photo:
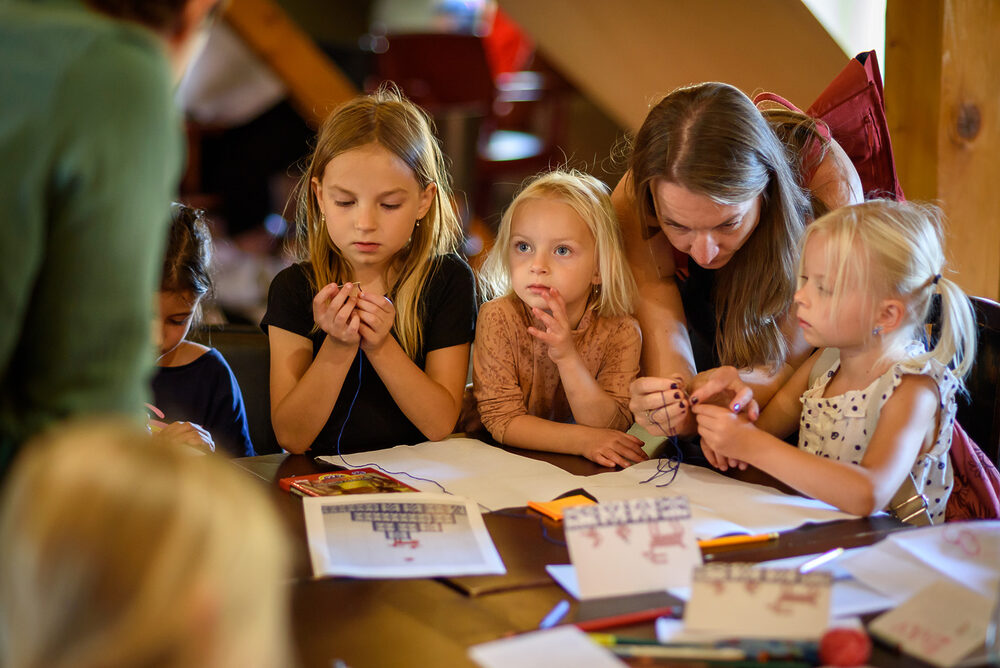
[
  {"x": 377, "y": 316},
  {"x": 186, "y": 434},
  {"x": 609, "y": 447},
  {"x": 558, "y": 333},
  {"x": 661, "y": 406},
  {"x": 725, "y": 387},
  {"x": 725, "y": 435},
  {"x": 334, "y": 313}
]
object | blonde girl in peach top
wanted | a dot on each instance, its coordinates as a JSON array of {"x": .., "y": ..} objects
[{"x": 557, "y": 347}]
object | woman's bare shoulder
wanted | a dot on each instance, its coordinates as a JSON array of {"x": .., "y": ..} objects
[{"x": 836, "y": 182}]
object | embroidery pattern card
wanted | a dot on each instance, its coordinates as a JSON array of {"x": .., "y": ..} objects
[
  {"x": 634, "y": 546},
  {"x": 741, "y": 600},
  {"x": 401, "y": 535},
  {"x": 941, "y": 624}
]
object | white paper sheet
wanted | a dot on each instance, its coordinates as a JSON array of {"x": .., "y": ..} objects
[
  {"x": 562, "y": 646},
  {"x": 403, "y": 535},
  {"x": 498, "y": 479},
  {"x": 486, "y": 474},
  {"x": 906, "y": 562},
  {"x": 968, "y": 552},
  {"x": 719, "y": 505}
]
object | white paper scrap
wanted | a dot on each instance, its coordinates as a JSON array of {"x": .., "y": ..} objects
[
  {"x": 565, "y": 577},
  {"x": 561, "y": 646},
  {"x": 941, "y": 624},
  {"x": 405, "y": 535}
]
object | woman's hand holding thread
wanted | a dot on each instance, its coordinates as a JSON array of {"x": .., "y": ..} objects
[{"x": 661, "y": 406}]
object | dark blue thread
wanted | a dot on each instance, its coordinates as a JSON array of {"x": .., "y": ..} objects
[
  {"x": 665, "y": 465},
  {"x": 361, "y": 361}
]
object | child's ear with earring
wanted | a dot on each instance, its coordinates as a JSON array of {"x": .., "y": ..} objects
[{"x": 890, "y": 316}]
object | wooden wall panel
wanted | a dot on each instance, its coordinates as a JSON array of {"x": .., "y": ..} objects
[
  {"x": 969, "y": 142},
  {"x": 943, "y": 102}
]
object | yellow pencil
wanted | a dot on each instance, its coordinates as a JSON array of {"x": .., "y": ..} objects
[{"x": 728, "y": 541}]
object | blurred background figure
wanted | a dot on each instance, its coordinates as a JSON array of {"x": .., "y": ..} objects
[{"x": 119, "y": 553}]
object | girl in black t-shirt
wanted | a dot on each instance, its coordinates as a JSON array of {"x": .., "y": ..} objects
[{"x": 370, "y": 334}]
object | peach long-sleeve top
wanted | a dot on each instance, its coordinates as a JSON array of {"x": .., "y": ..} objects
[{"x": 513, "y": 375}]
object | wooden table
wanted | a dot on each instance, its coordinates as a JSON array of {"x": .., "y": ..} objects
[{"x": 432, "y": 622}]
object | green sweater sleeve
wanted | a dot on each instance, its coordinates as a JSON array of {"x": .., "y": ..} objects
[{"x": 112, "y": 151}]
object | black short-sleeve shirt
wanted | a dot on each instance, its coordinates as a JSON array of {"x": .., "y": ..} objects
[
  {"x": 205, "y": 392},
  {"x": 375, "y": 421}
]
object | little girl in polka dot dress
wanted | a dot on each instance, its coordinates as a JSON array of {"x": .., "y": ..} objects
[{"x": 873, "y": 407}]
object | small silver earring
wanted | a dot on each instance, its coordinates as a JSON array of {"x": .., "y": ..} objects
[
  {"x": 418, "y": 222},
  {"x": 877, "y": 330},
  {"x": 322, "y": 218}
]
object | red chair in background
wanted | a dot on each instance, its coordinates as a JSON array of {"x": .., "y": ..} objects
[{"x": 496, "y": 132}]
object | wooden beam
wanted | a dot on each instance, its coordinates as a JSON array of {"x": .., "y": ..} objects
[
  {"x": 624, "y": 55},
  {"x": 943, "y": 103},
  {"x": 913, "y": 43},
  {"x": 314, "y": 83}
]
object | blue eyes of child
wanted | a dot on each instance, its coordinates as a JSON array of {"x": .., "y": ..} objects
[{"x": 525, "y": 247}]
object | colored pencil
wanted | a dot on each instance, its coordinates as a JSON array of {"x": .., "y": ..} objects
[{"x": 729, "y": 541}]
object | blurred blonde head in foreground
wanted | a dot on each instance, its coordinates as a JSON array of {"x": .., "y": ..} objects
[{"x": 118, "y": 553}]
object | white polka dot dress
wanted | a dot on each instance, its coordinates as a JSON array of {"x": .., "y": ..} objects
[{"x": 840, "y": 427}]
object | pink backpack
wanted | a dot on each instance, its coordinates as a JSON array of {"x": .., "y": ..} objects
[
  {"x": 853, "y": 107},
  {"x": 976, "y": 494}
]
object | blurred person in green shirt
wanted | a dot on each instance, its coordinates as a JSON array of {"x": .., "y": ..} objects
[{"x": 91, "y": 150}]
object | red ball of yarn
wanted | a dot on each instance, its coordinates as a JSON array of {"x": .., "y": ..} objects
[{"x": 845, "y": 648}]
